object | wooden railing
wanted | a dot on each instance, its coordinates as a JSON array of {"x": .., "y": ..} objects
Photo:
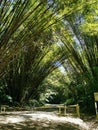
[
  {"x": 62, "y": 109},
  {"x": 3, "y": 108}
]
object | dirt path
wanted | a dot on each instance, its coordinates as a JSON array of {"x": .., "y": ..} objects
[
  {"x": 42, "y": 121},
  {"x": 92, "y": 122}
]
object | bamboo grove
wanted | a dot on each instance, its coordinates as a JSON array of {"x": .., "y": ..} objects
[{"x": 36, "y": 37}]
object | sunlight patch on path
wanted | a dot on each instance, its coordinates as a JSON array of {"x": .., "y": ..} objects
[
  {"x": 17, "y": 117},
  {"x": 11, "y": 119},
  {"x": 52, "y": 117}
]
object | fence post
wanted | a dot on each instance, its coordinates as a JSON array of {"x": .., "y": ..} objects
[
  {"x": 96, "y": 110},
  {"x": 78, "y": 110},
  {"x": 65, "y": 110},
  {"x": 96, "y": 100}
]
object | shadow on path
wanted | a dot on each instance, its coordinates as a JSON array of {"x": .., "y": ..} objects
[{"x": 39, "y": 121}]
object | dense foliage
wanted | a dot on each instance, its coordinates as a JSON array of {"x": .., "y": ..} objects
[{"x": 36, "y": 37}]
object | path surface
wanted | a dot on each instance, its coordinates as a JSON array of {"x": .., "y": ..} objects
[
  {"x": 92, "y": 122},
  {"x": 40, "y": 121}
]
